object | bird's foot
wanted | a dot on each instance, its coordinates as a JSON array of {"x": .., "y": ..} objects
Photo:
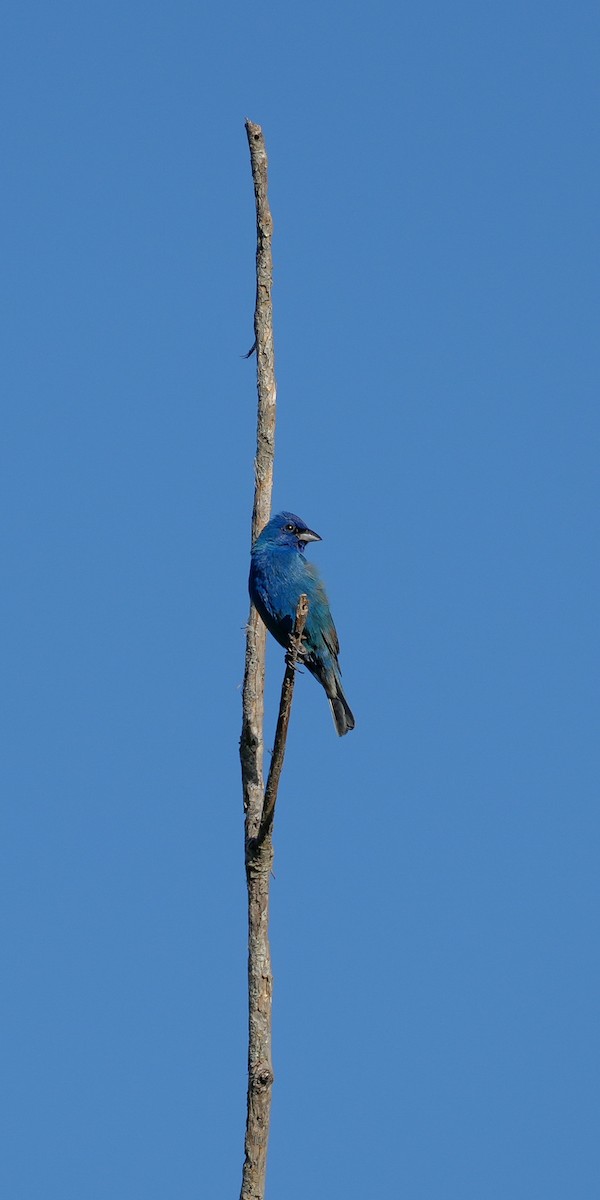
[{"x": 295, "y": 659}]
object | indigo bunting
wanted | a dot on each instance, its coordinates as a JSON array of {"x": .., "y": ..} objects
[{"x": 279, "y": 574}]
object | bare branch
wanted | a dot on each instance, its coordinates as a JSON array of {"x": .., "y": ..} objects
[
  {"x": 283, "y": 720},
  {"x": 258, "y": 864}
]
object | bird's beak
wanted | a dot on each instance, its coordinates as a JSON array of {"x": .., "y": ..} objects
[{"x": 309, "y": 536}]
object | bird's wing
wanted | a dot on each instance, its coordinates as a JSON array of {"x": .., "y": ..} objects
[
  {"x": 320, "y": 611},
  {"x": 330, "y": 638}
]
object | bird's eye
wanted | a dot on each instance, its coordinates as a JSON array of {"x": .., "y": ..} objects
[{"x": 289, "y": 528}]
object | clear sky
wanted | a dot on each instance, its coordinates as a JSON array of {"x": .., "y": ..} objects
[{"x": 434, "y": 183}]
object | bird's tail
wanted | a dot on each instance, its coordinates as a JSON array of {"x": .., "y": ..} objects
[{"x": 340, "y": 710}]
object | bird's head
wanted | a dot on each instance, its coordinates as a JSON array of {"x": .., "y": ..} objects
[{"x": 285, "y": 529}]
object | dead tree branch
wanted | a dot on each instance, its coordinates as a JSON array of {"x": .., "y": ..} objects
[
  {"x": 258, "y": 854},
  {"x": 283, "y": 720}
]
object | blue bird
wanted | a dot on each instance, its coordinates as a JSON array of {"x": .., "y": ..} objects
[{"x": 279, "y": 574}]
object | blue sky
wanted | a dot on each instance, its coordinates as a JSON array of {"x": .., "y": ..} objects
[{"x": 434, "y": 183}]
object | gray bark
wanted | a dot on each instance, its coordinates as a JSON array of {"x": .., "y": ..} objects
[
  {"x": 259, "y": 858},
  {"x": 259, "y": 803}
]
